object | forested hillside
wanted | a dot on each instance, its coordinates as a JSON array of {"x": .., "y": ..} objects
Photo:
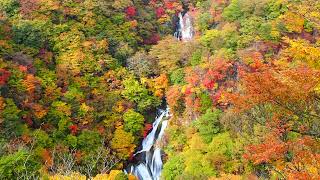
[
  {"x": 67, "y": 101},
  {"x": 80, "y": 82},
  {"x": 246, "y": 96}
]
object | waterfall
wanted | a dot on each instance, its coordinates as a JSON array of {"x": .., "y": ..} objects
[
  {"x": 185, "y": 31},
  {"x": 149, "y": 165},
  {"x": 156, "y": 164},
  {"x": 149, "y": 168}
]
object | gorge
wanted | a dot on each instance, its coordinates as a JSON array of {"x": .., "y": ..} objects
[{"x": 149, "y": 165}]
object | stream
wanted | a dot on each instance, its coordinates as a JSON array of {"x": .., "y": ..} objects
[{"x": 149, "y": 159}]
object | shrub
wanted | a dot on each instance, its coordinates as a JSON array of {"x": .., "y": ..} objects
[
  {"x": 42, "y": 138},
  {"x": 121, "y": 176},
  {"x": 10, "y": 7}
]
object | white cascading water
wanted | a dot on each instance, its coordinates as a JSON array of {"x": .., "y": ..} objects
[
  {"x": 185, "y": 31},
  {"x": 151, "y": 166}
]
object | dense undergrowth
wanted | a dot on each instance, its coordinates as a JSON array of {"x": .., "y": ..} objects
[
  {"x": 68, "y": 104},
  {"x": 246, "y": 94}
]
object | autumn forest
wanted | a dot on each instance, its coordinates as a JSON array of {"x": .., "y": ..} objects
[{"x": 82, "y": 83}]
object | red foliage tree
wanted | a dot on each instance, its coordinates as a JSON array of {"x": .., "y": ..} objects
[
  {"x": 192, "y": 77},
  {"x": 280, "y": 87},
  {"x": 208, "y": 82},
  {"x": 273, "y": 147},
  {"x": 73, "y": 129},
  {"x": 173, "y": 96},
  {"x": 23, "y": 68},
  {"x": 131, "y": 11},
  {"x": 290, "y": 94},
  {"x": 160, "y": 11},
  {"x": 169, "y": 5},
  {"x": 274, "y": 150},
  {"x": 101, "y": 130},
  {"x": 216, "y": 96},
  {"x": 153, "y": 39},
  {"x": 4, "y": 75},
  {"x": 27, "y": 119},
  {"x": 47, "y": 158}
]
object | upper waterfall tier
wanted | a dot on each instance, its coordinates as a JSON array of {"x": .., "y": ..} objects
[{"x": 185, "y": 30}]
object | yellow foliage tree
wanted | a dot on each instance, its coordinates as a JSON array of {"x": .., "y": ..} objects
[
  {"x": 293, "y": 22},
  {"x": 302, "y": 51},
  {"x": 30, "y": 83},
  {"x": 39, "y": 111},
  {"x": 158, "y": 85},
  {"x": 309, "y": 10},
  {"x": 122, "y": 142},
  {"x": 170, "y": 53}
]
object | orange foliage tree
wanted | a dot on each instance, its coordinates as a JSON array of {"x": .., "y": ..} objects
[{"x": 289, "y": 94}]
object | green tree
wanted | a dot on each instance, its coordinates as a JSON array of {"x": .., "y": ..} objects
[
  {"x": 196, "y": 57},
  {"x": 89, "y": 140},
  {"x": 206, "y": 101},
  {"x": 133, "y": 122},
  {"x": 173, "y": 167},
  {"x": 233, "y": 11},
  {"x": 20, "y": 164},
  {"x": 177, "y": 76},
  {"x": 29, "y": 33},
  {"x": 139, "y": 94},
  {"x": 10, "y": 7},
  {"x": 10, "y": 116},
  {"x": 208, "y": 125}
]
